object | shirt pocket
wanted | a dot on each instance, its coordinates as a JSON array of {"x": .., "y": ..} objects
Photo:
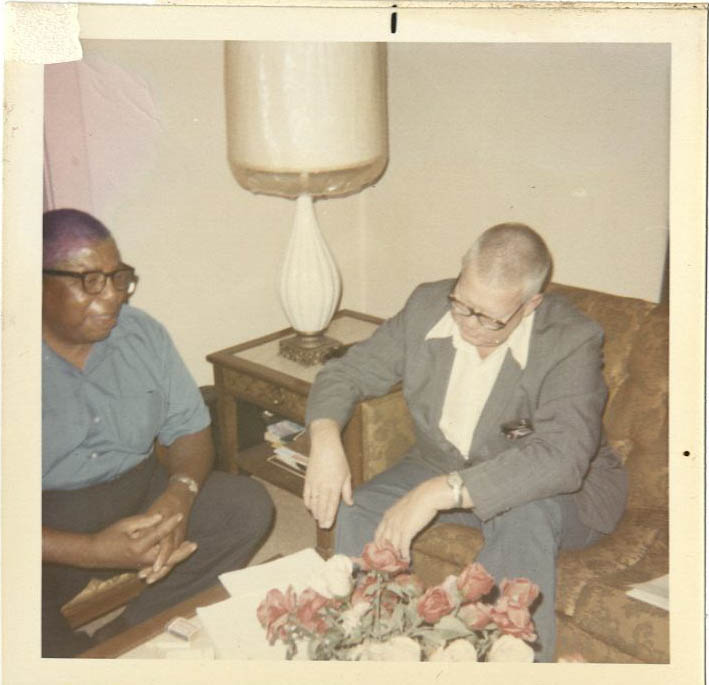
[{"x": 138, "y": 417}]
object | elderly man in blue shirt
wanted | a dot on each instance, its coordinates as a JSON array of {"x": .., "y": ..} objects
[{"x": 113, "y": 383}]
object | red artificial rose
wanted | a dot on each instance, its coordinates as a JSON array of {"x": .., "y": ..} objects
[
  {"x": 308, "y": 611},
  {"x": 382, "y": 557},
  {"x": 364, "y": 592},
  {"x": 519, "y": 591},
  {"x": 474, "y": 582},
  {"x": 475, "y": 616},
  {"x": 434, "y": 604},
  {"x": 274, "y": 610},
  {"x": 513, "y": 620}
]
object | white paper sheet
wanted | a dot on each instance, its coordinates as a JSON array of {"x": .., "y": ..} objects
[
  {"x": 295, "y": 569},
  {"x": 232, "y": 625},
  {"x": 655, "y": 592}
]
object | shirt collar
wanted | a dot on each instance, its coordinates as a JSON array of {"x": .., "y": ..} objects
[{"x": 518, "y": 342}]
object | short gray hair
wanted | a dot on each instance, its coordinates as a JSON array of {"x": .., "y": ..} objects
[{"x": 509, "y": 255}]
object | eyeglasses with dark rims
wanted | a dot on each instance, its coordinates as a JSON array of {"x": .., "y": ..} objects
[
  {"x": 462, "y": 309},
  {"x": 124, "y": 279}
]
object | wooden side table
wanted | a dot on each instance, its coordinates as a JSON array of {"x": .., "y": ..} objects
[{"x": 255, "y": 372}]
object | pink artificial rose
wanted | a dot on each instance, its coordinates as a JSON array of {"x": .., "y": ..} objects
[
  {"x": 382, "y": 557},
  {"x": 274, "y": 610},
  {"x": 434, "y": 604},
  {"x": 388, "y": 602},
  {"x": 474, "y": 582},
  {"x": 308, "y": 611},
  {"x": 410, "y": 583},
  {"x": 365, "y": 592},
  {"x": 475, "y": 616},
  {"x": 519, "y": 591},
  {"x": 513, "y": 620}
]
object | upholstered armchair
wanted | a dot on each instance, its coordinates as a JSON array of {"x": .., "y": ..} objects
[{"x": 595, "y": 616}]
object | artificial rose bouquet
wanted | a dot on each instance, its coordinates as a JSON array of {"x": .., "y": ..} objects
[{"x": 371, "y": 608}]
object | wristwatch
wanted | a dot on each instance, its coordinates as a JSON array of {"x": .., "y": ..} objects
[
  {"x": 455, "y": 482},
  {"x": 190, "y": 483}
]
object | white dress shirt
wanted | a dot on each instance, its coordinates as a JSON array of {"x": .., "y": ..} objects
[{"x": 472, "y": 377}]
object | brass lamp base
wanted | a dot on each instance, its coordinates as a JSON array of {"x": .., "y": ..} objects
[{"x": 309, "y": 350}]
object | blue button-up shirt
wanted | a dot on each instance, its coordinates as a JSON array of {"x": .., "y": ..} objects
[{"x": 101, "y": 421}]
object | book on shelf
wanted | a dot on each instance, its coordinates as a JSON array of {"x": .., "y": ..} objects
[{"x": 290, "y": 460}]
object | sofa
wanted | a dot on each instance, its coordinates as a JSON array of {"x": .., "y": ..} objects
[{"x": 595, "y": 616}]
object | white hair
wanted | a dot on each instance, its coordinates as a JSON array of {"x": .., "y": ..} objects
[{"x": 511, "y": 255}]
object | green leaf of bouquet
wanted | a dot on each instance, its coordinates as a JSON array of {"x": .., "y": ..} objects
[
  {"x": 453, "y": 625},
  {"x": 430, "y": 636},
  {"x": 397, "y": 590}
]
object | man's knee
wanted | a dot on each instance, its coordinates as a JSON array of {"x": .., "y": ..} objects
[
  {"x": 238, "y": 503},
  {"x": 540, "y": 518},
  {"x": 347, "y": 515}
]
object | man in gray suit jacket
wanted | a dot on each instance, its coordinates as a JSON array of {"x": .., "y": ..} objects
[{"x": 506, "y": 391}]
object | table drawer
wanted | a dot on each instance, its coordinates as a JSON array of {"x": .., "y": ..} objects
[{"x": 266, "y": 394}]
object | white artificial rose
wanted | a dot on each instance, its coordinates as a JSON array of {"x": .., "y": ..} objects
[
  {"x": 399, "y": 648},
  {"x": 351, "y": 617},
  {"x": 450, "y": 585},
  {"x": 511, "y": 649},
  {"x": 458, "y": 650},
  {"x": 333, "y": 578},
  {"x": 318, "y": 583},
  {"x": 337, "y": 574}
]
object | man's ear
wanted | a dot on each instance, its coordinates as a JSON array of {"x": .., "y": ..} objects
[{"x": 533, "y": 303}]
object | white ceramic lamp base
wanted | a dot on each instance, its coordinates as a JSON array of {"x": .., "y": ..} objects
[{"x": 310, "y": 289}]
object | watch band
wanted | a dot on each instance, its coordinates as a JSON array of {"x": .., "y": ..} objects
[
  {"x": 455, "y": 482},
  {"x": 190, "y": 483}
]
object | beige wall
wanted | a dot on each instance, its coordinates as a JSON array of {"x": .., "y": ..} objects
[
  {"x": 208, "y": 252},
  {"x": 572, "y": 139}
]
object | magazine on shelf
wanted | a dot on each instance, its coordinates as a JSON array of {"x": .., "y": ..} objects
[{"x": 283, "y": 431}]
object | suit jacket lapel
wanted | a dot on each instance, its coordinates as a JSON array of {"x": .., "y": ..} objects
[
  {"x": 438, "y": 370},
  {"x": 500, "y": 395}
]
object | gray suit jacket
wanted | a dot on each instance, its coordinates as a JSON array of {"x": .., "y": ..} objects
[{"x": 561, "y": 391}]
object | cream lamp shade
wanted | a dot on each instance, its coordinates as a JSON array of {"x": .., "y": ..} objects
[{"x": 306, "y": 120}]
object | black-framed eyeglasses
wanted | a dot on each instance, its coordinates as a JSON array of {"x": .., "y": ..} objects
[
  {"x": 462, "y": 309},
  {"x": 124, "y": 279}
]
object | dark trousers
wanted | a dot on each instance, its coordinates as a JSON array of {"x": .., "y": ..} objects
[{"x": 230, "y": 517}]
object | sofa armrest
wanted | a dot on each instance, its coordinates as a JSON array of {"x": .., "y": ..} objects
[
  {"x": 635, "y": 551},
  {"x": 387, "y": 433}
]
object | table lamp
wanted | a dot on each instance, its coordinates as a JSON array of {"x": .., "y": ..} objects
[{"x": 305, "y": 121}]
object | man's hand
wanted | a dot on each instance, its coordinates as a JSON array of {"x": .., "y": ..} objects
[
  {"x": 172, "y": 548},
  {"x": 131, "y": 542},
  {"x": 412, "y": 513},
  {"x": 328, "y": 477},
  {"x": 191, "y": 455}
]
